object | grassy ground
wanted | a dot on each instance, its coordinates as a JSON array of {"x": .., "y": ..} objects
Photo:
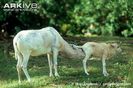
[{"x": 71, "y": 71}]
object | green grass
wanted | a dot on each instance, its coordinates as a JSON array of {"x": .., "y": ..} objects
[{"x": 71, "y": 71}]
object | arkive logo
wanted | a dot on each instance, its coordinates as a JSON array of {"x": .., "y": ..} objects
[{"x": 20, "y": 6}]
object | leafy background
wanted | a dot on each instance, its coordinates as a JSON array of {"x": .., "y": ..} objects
[{"x": 79, "y": 17}]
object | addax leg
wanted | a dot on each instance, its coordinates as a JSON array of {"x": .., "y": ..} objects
[
  {"x": 84, "y": 64},
  {"x": 19, "y": 67},
  {"x": 55, "y": 54},
  {"x": 24, "y": 65},
  {"x": 50, "y": 65},
  {"x": 104, "y": 67}
]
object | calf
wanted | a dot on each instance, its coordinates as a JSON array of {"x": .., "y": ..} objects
[{"x": 102, "y": 51}]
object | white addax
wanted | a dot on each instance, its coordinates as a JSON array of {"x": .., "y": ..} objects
[{"x": 38, "y": 42}]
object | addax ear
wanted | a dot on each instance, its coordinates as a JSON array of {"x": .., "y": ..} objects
[
  {"x": 73, "y": 46},
  {"x": 114, "y": 45}
]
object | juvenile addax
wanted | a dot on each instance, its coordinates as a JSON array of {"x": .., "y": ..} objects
[{"x": 101, "y": 51}]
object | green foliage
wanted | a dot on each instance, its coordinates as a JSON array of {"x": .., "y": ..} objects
[
  {"x": 70, "y": 17},
  {"x": 109, "y": 17}
]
